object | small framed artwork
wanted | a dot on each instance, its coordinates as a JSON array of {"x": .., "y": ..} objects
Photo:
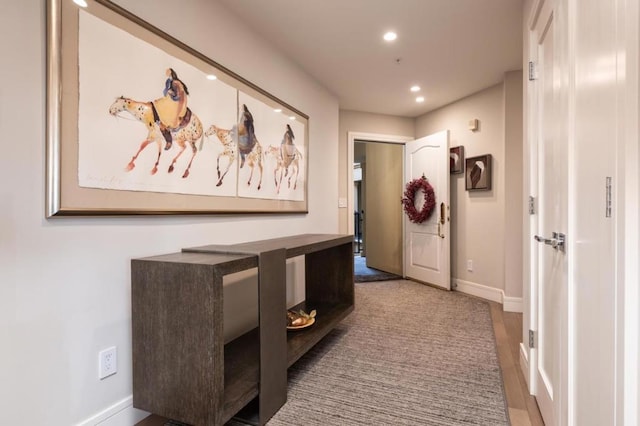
[
  {"x": 456, "y": 159},
  {"x": 478, "y": 173}
]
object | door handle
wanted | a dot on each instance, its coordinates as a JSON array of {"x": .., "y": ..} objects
[
  {"x": 441, "y": 221},
  {"x": 557, "y": 241}
]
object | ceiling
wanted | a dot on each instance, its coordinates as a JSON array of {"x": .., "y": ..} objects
[{"x": 450, "y": 48}]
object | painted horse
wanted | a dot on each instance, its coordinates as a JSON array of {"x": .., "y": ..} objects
[
  {"x": 281, "y": 169},
  {"x": 188, "y": 131},
  {"x": 230, "y": 148}
]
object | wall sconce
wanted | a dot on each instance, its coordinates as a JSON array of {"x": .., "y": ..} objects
[{"x": 474, "y": 124}]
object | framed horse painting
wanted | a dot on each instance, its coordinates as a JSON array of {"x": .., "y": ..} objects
[{"x": 140, "y": 123}]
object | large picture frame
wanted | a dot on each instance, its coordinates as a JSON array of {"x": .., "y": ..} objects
[
  {"x": 140, "y": 123},
  {"x": 478, "y": 173}
]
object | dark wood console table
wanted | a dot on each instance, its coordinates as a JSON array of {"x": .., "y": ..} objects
[{"x": 181, "y": 367}]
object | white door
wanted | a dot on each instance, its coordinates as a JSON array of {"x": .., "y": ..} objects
[
  {"x": 549, "y": 259},
  {"x": 427, "y": 244}
]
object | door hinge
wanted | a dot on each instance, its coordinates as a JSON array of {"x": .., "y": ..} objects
[
  {"x": 532, "y": 339},
  {"x": 533, "y": 75},
  {"x": 532, "y": 205},
  {"x": 608, "y": 202}
]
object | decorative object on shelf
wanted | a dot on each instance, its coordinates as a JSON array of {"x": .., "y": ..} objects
[
  {"x": 300, "y": 319},
  {"x": 130, "y": 108},
  {"x": 408, "y": 201},
  {"x": 456, "y": 159},
  {"x": 478, "y": 173}
]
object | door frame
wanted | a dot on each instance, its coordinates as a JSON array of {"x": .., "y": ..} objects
[
  {"x": 564, "y": 400},
  {"x": 352, "y": 137},
  {"x": 627, "y": 230},
  {"x": 531, "y": 190}
]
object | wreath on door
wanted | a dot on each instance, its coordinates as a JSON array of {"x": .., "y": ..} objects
[{"x": 409, "y": 200}]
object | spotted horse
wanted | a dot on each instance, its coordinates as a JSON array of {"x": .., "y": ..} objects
[
  {"x": 230, "y": 150},
  {"x": 189, "y": 131}
]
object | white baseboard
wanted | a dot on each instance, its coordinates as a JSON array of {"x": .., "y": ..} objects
[
  {"x": 121, "y": 413},
  {"x": 524, "y": 364},
  {"x": 478, "y": 290},
  {"x": 512, "y": 304},
  {"x": 509, "y": 304}
]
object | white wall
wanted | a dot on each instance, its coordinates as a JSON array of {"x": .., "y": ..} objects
[
  {"x": 477, "y": 218},
  {"x": 65, "y": 282}
]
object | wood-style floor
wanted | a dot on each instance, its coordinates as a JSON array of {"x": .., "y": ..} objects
[
  {"x": 523, "y": 409},
  {"x": 507, "y": 326}
]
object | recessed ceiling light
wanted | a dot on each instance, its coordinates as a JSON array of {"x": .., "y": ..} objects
[
  {"x": 420, "y": 99},
  {"x": 277, "y": 110},
  {"x": 211, "y": 77},
  {"x": 415, "y": 88},
  {"x": 81, "y": 3},
  {"x": 390, "y": 36},
  {"x": 292, "y": 118}
]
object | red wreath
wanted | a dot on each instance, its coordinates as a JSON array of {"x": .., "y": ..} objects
[{"x": 408, "y": 201}]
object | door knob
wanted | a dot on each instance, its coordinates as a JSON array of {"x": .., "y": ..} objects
[{"x": 557, "y": 241}]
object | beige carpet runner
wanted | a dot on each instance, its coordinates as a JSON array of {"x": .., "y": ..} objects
[{"x": 408, "y": 355}]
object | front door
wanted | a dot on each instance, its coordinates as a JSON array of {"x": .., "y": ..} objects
[
  {"x": 427, "y": 244},
  {"x": 549, "y": 259}
]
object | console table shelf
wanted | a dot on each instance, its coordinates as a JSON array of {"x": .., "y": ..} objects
[
  {"x": 181, "y": 367},
  {"x": 299, "y": 342}
]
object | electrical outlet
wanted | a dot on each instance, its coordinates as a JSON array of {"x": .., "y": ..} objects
[
  {"x": 470, "y": 265},
  {"x": 107, "y": 362}
]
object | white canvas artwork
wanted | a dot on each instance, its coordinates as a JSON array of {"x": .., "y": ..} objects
[
  {"x": 144, "y": 127},
  {"x": 108, "y": 143}
]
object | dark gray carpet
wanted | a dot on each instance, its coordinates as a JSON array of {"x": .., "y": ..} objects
[
  {"x": 408, "y": 355},
  {"x": 362, "y": 273}
]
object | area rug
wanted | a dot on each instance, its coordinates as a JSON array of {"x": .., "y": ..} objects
[
  {"x": 408, "y": 355},
  {"x": 362, "y": 273}
]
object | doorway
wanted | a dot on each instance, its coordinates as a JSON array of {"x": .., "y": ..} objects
[
  {"x": 378, "y": 232},
  {"x": 352, "y": 137}
]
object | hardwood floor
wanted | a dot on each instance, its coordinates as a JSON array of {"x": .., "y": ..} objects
[{"x": 523, "y": 409}]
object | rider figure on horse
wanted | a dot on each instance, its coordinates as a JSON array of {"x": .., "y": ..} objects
[
  {"x": 287, "y": 148},
  {"x": 171, "y": 109}
]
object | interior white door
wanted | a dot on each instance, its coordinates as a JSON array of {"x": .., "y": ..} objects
[
  {"x": 549, "y": 255},
  {"x": 427, "y": 244}
]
